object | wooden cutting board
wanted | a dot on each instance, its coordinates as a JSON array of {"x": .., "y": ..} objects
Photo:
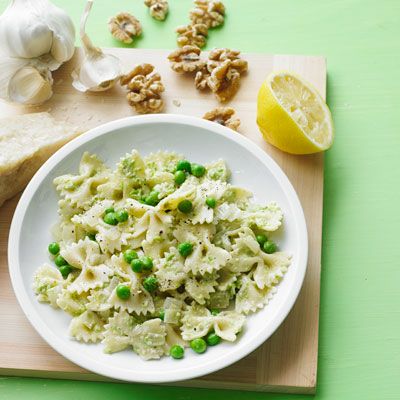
[{"x": 287, "y": 362}]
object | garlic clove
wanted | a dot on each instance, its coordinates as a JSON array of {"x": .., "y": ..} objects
[
  {"x": 63, "y": 45},
  {"x": 98, "y": 71},
  {"x": 30, "y": 86},
  {"x": 24, "y": 81}
]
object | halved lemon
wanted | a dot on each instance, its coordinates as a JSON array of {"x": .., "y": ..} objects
[{"x": 292, "y": 115}]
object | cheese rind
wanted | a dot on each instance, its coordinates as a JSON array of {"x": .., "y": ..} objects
[{"x": 26, "y": 142}]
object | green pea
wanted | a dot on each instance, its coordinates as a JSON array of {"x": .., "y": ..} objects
[
  {"x": 91, "y": 236},
  {"x": 65, "y": 270},
  {"x": 213, "y": 339},
  {"x": 261, "y": 239},
  {"x": 137, "y": 265},
  {"x": 147, "y": 263},
  {"x": 122, "y": 215},
  {"x": 269, "y": 247},
  {"x": 161, "y": 315},
  {"x": 215, "y": 311},
  {"x": 54, "y": 248},
  {"x": 184, "y": 165},
  {"x": 110, "y": 218},
  {"x": 123, "y": 292},
  {"x": 177, "y": 351},
  {"x": 60, "y": 261},
  {"x": 185, "y": 249},
  {"x": 109, "y": 210},
  {"x": 152, "y": 199},
  {"x": 211, "y": 202},
  {"x": 130, "y": 255},
  {"x": 198, "y": 170},
  {"x": 150, "y": 283},
  {"x": 185, "y": 206},
  {"x": 179, "y": 177},
  {"x": 198, "y": 345}
]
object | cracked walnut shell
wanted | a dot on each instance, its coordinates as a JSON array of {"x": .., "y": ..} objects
[
  {"x": 208, "y": 12},
  {"x": 224, "y": 116},
  {"x": 186, "y": 59},
  {"x": 195, "y": 35},
  {"x": 124, "y": 27},
  {"x": 158, "y": 8},
  {"x": 144, "y": 89}
]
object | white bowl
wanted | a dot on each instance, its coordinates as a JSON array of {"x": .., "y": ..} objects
[{"x": 201, "y": 141}]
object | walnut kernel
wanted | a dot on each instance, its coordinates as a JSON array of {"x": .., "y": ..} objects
[
  {"x": 158, "y": 8},
  {"x": 217, "y": 56},
  {"x": 201, "y": 78},
  {"x": 125, "y": 27},
  {"x": 144, "y": 89},
  {"x": 186, "y": 59},
  {"x": 224, "y": 116},
  {"x": 222, "y": 73},
  {"x": 224, "y": 81},
  {"x": 208, "y": 12},
  {"x": 192, "y": 35}
]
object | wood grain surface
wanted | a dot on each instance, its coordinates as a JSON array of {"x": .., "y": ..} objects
[{"x": 287, "y": 362}]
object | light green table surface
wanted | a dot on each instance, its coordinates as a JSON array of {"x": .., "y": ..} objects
[{"x": 359, "y": 351}]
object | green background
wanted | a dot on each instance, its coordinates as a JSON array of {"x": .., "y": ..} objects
[{"x": 359, "y": 348}]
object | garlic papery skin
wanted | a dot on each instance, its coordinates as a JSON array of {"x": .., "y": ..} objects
[
  {"x": 98, "y": 71},
  {"x": 35, "y": 28},
  {"x": 25, "y": 81}
]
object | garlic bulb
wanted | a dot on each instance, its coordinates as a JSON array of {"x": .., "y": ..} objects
[
  {"x": 36, "y": 37},
  {"x": 35, "y": 28},
  {"x": 98, "y": 71}
]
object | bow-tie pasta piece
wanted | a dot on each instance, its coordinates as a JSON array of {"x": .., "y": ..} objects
[
  {"x": 218, "y": 170},
  {"x": 250, "y": 298},
  {"x": 98, "y": 299},
  {"x": 118, "y": 332},
  {"x": 148, "y": 339},
  {"x": 47, "y": 284},
  {"x": 83, "y": 254},
  {"x": 170, "y": 270},
  {"x": 88, "y": 327},
  {"x": 160, "y": 167},
  {"x": 79, "y": 189},
  {"x": 228, "y": 324},
  {"x": 139, "y": 301},
  {"x": 172, "y": 310},
  {"x": 271, "y": 271},
  {"x": 199, "y": 289},
  {"x": 266, "y": 218},
  {"x": 196, "y": 322},
  {"x": 245, "y": 253}
]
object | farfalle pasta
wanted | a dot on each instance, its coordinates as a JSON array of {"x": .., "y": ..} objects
[{"x": 159, "y": 254}]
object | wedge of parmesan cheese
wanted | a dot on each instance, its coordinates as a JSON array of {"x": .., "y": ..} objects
[{"x": 26, "y": 142}]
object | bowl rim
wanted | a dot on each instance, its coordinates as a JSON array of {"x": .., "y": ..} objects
[{"x": 93, "y": 365}]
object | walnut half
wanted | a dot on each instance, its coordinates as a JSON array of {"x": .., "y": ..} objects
[
  {"x": 222, "y": 73},
  {"x": 158, "y": 8},
  {"x": 186, "y": 59},
  {"x": 224, "y": 116},
  {"x": 208, "y": 12},
  {"x": 195, "y": 35},
  {"x": 144, "y": 89},
  {"x": 124, "y": 27}
]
